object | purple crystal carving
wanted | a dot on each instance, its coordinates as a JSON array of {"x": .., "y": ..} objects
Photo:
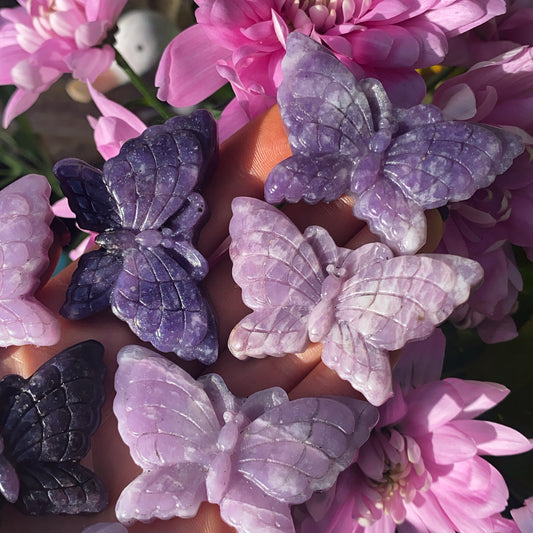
[
  {"x": 25, "y": 237},
  {"x": 254, "y": 457},
  {"x": 146, "y": 209},
  {"x": 346, "y": 137},
  {"x": 46, "y": 423},
  {"x": 358, "y": 303}
]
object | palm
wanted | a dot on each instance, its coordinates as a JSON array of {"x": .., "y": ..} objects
[{"x": 245, "y": 161}]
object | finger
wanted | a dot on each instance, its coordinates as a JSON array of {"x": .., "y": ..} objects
[
  {"x": 245, "y": 377},
  {"x": 245, "y": 160}
]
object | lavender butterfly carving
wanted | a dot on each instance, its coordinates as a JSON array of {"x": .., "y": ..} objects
[
  {"x": 146, "y": 209},
  {"x": 358, "y": 303},
  {"x": 346, "y": 137},
  {"x": 25, "y": 237},
  {"x": 254, "y": 457},
  {"x": 46, "y": 423}
]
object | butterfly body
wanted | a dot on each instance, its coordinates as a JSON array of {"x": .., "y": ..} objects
[
  {"x": 46, "y": 422},
  {"x": 147, "y": 211},
  {"x": 347, "y": 138},
  {"x": 359, "y": 303},
  {"x": 254, "y": 457}
]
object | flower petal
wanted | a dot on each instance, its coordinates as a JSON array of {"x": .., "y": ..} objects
[
  {"x": 87, "y": 64},
  {"x": 20, "y": 101},
  {"x": 493, "y": 439},
  {"x": 447, "y": 445},
  {"x": 430, "y": 407},
  {"x": 187, "y": 72},
  {"x": 524, "y": 516},
  {"x": 477, "y": 396}
]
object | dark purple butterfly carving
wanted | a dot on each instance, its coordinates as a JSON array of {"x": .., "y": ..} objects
[
  {"x": 254, "y": 457},
  {"x": 146, "y": 209},
  {"x": 346, "y": 137},
  {"x": 359, "y": 303},
  {"x": 46, "y": 423}
]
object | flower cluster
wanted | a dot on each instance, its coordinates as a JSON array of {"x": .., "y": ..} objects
[{"x": 416, "y": 118}]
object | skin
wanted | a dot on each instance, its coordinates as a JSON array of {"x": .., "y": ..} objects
[{"x": 244, "y": 163}]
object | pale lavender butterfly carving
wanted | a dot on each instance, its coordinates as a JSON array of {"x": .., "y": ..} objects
[
  {"x": 347, "y": 137},
  {"x": 25, "y": 236},
  {"x": 358, "y": 303},
  {"x": 146, "y": 209},
  {"x": 254, "y": 457}
]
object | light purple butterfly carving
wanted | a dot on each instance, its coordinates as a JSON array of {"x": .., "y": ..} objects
[
  {"x": 358, "y": 303},
  {"x": 253, "y": 457},
  {"x": 347, "y": 137},
  {"x": 25, "y": 236}
]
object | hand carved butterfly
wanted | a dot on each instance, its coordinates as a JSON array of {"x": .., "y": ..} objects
[
  {"x": 46, "y": 423},
  {"x": 254, "y": 457},
  {"x": 358, "y": 303},
  {"x": 346, "y": 137},
  {"x": 145, "y": 207},
  {"x": 25, "y": 236}
]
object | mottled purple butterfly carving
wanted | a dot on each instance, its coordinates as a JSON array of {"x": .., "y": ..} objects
[
  {"x": 358, "y": 303},
  {"x": 346, "y": 137},
  {"x": 254, "y": 457},
  {"x": 25, "y": 237},
  {"x": 46, "y": 423},
  {"x": 146, "y": 209}
]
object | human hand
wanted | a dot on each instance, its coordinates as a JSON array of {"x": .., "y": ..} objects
[{"x": 245, "y": 161}]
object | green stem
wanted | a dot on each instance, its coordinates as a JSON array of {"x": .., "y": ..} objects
[{"x": 139, "y": 84}]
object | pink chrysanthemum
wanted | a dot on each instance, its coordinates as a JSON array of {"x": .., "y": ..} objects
[
  {"x": 421, "y": 468},
  {"x": 243, "y": 41},
  {"x": 484, "y": 226},
  {"x": 43, "y": 39},
  {"x": 523, "y": 516}
]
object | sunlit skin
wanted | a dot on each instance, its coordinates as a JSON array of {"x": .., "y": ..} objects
[{"x": 244, "y": 163}]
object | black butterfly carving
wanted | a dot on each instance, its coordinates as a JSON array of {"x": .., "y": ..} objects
[
  {"x": 146, "y": 209},
  {"x": 46, "y": 423}
]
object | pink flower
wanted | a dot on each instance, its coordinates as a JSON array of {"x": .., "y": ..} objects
[
  {"x": 523, "y": 516},
  {"x": 62, "y": 209},
  {"x": 421, "y": 469},
  {"x": 499, "y": 35},
  {"x": 495, "y": 92},
  {"x": 116, "y": 125},
  {"x": 42, "y": 39},
  {"x": 243, "y": 41},
  {"x": 482, "y": 228}
]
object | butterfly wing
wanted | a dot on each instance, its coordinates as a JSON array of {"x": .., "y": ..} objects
[
  {"x": 25, "y": 237},
  {"x": 87, "y": 195},
  {"x": 59, "y": 488},
  {"x": 152, "y": 176},
  {"x": 364, "y": 366},
  {"x": 330, "y": 119},
  {"x": 156, "y": 296},
  {"x": 163, "y": 493},
  {"x": 387, "y": 305},
  {"x": 249, "y": 510},
  {"x": 168, "y": 422},
  {"x": 300, "y": 446},
  {"x": 434, "y": 161},
  {"x": 398, "y": 220},
  {"x": 280, "y": 276},
  {"x": 47, "y": 422},
  {"x": 92, "y": 282}
]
